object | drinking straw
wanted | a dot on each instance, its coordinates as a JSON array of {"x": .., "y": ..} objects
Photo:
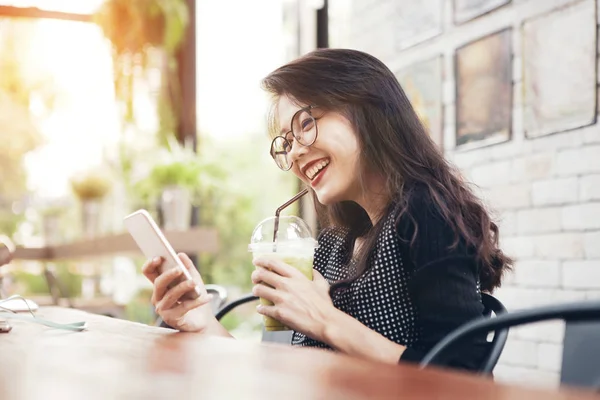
[{"x": 283, "y": 206}]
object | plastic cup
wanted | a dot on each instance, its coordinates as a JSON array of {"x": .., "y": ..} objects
[{"x": 294, "y": 246}]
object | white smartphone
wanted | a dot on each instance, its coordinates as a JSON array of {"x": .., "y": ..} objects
[{"x": 152, "y": 242}]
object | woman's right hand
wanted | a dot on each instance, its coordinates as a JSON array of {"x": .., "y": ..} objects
[{"x": 180, "y": 313}]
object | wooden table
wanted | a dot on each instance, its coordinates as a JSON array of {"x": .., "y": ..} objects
[{"x": 118, "y": 359}]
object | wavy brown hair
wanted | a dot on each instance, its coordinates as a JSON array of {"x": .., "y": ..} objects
[{"x": 395, "y": 144}]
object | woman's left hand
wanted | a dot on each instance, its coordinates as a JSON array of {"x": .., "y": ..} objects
[{"x": 299, "y": 303}]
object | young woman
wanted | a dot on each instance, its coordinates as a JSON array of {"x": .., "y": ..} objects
[{"x": 406, "y": 248}]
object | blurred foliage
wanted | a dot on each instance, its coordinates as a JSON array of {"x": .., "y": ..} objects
[
  {"x": 30, "y": 284},
  {"x": 70, "y": 279},
  {"x": 140, "y": 308},
  {"x": 145, "y": 36},
  {"x": 232, "y": 320},
  {"x": 21, "y": 86},
  {"x": 133, "y": 25},
  {"x": 36, "y": 284},
  {"x": 91, "y": 185},
  {"x": 179, "y": 165}
]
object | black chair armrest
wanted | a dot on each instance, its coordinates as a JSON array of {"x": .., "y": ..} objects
[
  {"x": 230, "y": 306},
  {"x": 578, "y": 311}
]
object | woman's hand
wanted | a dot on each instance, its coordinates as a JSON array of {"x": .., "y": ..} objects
[
  {"x": 180, "y": 313},
  {"x": 299, "y": 303}
]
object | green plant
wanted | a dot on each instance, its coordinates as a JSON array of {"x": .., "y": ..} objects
[
  {"x": 30, "y": 284},
  {"x": 178, "y": 165},
  {"x": 145, "y": 35},
  {"x": 36, "y": 283},
  {"x": 90, "y": 186},
  {"x": 179, "y": 173}
]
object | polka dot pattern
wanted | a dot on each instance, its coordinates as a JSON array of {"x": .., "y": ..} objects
[{"x": 379, "y": 298}]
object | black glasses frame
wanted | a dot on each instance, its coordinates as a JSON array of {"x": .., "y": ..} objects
[{"x": 287, "y": 143}]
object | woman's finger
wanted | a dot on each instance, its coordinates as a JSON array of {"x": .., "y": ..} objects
[
  {"x": 277, "y": 266},
  {"x": 267, "y": 293},
  {"x": 188, "y": 305},
  {"x": 151, "y": 268},
  {"x": 173, "y": 295},
  {"x": 161, "y": 284},
  {"x": 274, "y": 312},
  {"x": 263, "y": 275}
]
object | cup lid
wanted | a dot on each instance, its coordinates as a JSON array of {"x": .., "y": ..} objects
[{"x": 292, "y": 231}]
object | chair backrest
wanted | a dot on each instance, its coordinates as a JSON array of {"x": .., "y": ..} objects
[
  {"x": 494, "y": 305},
  {"x": 570, "y": 312},
  {"x": 233, "y": 304},
  {"x": 581, "y": 355},
  {"x": 439, "y": 355}
]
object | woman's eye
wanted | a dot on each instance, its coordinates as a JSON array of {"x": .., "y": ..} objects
[{"x": 307, "y": 124}]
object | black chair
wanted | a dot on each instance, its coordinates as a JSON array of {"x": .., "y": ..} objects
[
  {"x": 491, "y": 305},
  {"x": 588, "y": 358},
  {"x": 581, "y": 354},
  {"x": 230, "y": 306},
  {"x": 494, "y": 305}
]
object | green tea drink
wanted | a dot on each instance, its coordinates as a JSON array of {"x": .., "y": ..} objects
[
  {"x": 303, "y": 262},
  {"x": 294, "y": 245}
]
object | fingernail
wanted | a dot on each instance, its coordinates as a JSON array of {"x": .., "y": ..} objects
[{"x": 156, "y": 259}]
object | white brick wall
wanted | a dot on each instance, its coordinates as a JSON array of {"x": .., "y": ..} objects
[
  {"x": 554, "y": 191},
  {"x": 545, "y": 191}
]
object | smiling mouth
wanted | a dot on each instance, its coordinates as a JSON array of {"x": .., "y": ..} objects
[{"x": 313, "y": 171}]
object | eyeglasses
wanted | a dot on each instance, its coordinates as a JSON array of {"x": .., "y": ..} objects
[{"x": 303, "y": 131}]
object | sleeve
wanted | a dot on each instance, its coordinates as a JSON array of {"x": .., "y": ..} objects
[{"x": 444, "y": 288}]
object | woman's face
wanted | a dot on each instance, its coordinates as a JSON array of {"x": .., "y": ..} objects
[{"x": 330, "y": 164}]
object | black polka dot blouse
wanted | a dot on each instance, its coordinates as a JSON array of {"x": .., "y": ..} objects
[{"x": 412, "y": 295}]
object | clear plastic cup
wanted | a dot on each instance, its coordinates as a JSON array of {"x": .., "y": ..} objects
[{"x": 295, "y": 246}]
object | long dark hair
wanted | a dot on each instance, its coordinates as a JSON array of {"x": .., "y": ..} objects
[{"x": 394, "y": 143}]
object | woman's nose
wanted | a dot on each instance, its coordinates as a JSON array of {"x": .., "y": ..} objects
[{"x": 297, "y": 151}]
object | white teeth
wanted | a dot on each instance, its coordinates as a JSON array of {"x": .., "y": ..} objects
[{"x": 312, "y": 171}]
